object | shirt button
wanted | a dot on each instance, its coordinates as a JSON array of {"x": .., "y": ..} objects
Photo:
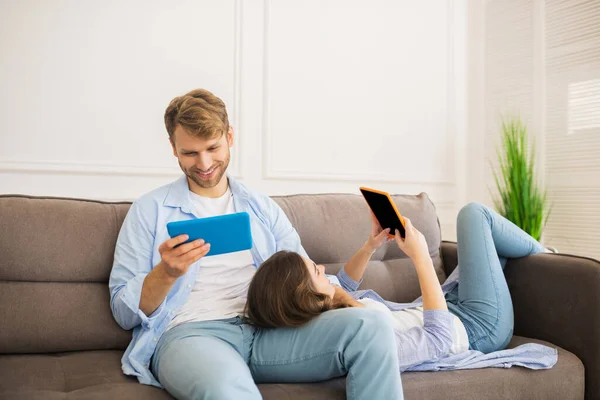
[
  {"x": 155, "y": 339},
  {"x": 189, "y": 286}
]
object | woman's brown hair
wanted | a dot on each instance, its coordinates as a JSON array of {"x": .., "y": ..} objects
[{"x": 282, "y": 293}]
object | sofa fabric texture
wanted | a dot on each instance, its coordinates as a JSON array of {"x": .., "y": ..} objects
[{"x": 59, "y": 340}]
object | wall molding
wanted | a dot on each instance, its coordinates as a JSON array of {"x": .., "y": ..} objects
[
  {"x": 269, "y": 172},
  {"x": 80, "y": 168},
  {"x": 237, "y": 87},
  {"x": 350, "y": 177},
  {"x": 84, "y": 168}
]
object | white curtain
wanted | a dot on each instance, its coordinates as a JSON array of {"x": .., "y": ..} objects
[
  {"x": 572, "y": 124},
  {"x": 542, "y": 62}
]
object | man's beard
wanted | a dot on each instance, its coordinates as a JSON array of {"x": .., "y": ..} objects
[{"x": 220, "y": 170}]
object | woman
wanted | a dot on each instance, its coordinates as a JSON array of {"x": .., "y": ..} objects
[{"x": 477, "y": 314}]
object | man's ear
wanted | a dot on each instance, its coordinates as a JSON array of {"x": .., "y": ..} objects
[
  {"x": 173, "y": 147},
  {"x": 230, "y": 136}
]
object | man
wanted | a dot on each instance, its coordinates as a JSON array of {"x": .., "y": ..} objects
[{"x": 185, "y": 310}]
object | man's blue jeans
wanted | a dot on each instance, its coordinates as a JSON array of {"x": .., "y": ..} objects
[
  {"x": 482, "y": 299},
  {"x": 223, "y": 359}
]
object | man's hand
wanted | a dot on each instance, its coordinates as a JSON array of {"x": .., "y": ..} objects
[
  {"x": 378, "y": 235},
  {"x": 175, "y": 261}
]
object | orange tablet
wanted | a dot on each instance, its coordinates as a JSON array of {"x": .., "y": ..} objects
[{"x": 384, "y": 209}]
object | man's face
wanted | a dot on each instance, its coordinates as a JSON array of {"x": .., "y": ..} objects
[{"x": 203, "y": 161}]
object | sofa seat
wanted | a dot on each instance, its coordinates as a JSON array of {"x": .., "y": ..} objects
[{"x": 97, "y": 375}]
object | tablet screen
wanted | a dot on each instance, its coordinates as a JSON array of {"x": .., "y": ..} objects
[{"x": 384, "y": 211}]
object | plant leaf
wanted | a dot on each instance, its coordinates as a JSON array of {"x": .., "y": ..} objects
[{"x": 520, "y": 198}]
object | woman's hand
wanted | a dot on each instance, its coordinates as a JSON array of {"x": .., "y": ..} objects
[
  {"x": 356, "y": 266},
  {"x": 414, "y": 243},
  {"x": 415, "y": 246},
  {"x": 378, "y": 236}
]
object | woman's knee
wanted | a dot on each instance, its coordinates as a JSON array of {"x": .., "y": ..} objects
[{"x": 472, "y": 210}]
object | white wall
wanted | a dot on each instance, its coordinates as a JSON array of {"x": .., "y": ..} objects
[{"x": 325, "y": 96}]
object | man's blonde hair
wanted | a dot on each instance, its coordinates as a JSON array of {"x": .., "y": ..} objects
[{"x": 200, "y": 112}]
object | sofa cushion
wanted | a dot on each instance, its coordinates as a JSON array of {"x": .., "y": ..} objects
[
  {"x": 79, "y": 375},
  {"x": 58, "y": 240},
  {"x": 56, "y": 259},
  {"x": 97, "y": 375},
  {"x": 333, "y": 227},
  {"x": 563, "y": 381},
  {"x": 58, "y": 316}
]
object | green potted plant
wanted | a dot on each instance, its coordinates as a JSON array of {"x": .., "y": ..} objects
[{"x": 521, "y": 199}]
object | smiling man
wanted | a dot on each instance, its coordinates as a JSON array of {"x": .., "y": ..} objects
[{"x": 185, "y": 309}]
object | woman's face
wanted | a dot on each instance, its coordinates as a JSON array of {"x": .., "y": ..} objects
[{"x": 317, "y": 274}]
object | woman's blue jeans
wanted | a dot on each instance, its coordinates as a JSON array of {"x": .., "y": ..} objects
[{"x": 482, "y": 299}]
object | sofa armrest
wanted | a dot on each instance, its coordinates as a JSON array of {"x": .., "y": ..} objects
[{"x": 554, "y": 298}]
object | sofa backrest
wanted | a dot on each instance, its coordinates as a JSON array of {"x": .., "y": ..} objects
[
  {"x": 56, "y": 255},
  {"x": 333, "y": 227}
]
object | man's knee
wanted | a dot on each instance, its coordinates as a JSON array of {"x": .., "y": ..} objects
[
  {"x": 205, "y": 368},
  {"x": 370, "y": 325},
  {"x": 223, "y": 389}
]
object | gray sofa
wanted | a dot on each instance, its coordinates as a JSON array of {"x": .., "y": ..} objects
[{"x": 58, "y": 339}]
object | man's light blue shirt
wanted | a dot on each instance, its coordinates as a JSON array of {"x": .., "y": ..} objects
[{"x": 145, "y": 229}]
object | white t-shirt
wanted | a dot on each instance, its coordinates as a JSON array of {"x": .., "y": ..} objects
[
  {"x": 222, "y": 282},
  {"x": 406, "y": 319}
]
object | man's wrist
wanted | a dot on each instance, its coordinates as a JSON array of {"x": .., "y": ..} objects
[{"x": 163, "y": 275}]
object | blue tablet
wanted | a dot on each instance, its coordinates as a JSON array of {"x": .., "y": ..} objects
[{"x": 226, "y": 233}]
